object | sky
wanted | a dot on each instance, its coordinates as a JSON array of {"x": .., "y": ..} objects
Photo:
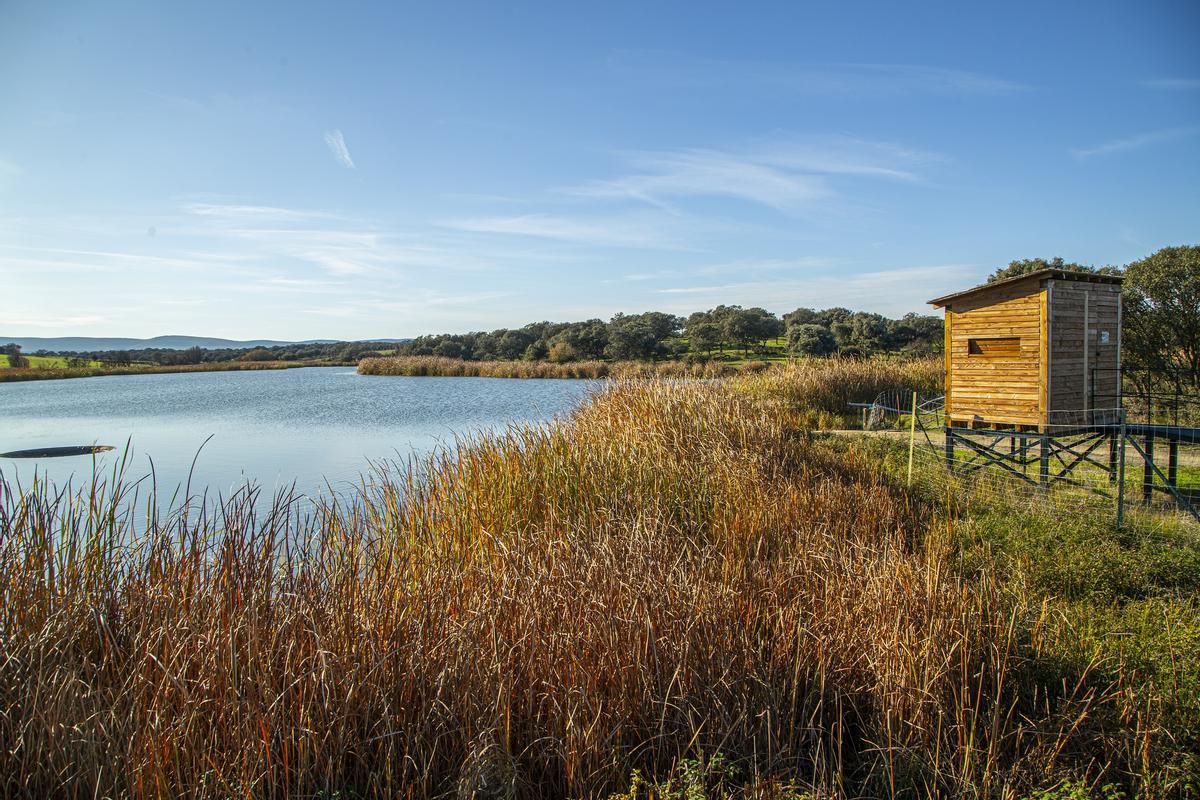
[{"x": 381, "y": 170}]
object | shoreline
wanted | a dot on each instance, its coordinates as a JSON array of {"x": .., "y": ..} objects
[{"x": 19, "y": 374}]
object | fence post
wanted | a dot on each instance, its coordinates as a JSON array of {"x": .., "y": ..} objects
[
  {"x": 1044, "y": 462},
  {"x": 1121, "y": 472},
  {"x": 912, "y": 437},
  {"x": 1148, "y": 469},
  {"x": 1112, "y": 457},
  {"x": 1173, "y": 463}
]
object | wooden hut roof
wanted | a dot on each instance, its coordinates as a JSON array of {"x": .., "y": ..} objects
[{"x": 1041, "y": 274}]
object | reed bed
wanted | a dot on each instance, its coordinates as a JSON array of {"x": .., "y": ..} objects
[
  {"x": 673, "y": 573},
  {"x": 435, "y": 366},
  {"x": 816, "y": 392},
  {"x": 53, "y": 373}
]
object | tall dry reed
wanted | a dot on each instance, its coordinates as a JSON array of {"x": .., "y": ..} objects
[
  {"x": 819, "y": 391},
  {"x": 436, "y": 366},
  {"x": 671, "y": 573}
]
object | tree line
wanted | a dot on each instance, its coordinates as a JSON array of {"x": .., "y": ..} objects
[
  {"x": 726, "y": 331},
  {"x": 1161, "y": 298},
  {"x": 345, "y": 352}
]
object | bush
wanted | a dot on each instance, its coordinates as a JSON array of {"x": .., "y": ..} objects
[
  {"x": 562, "y": 352},
  {"x": 257, "y": 354}
]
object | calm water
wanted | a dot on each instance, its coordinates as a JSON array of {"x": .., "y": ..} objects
[{"x": 276, "y": 427}]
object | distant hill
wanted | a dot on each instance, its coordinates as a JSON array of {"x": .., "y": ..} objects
[{"x": 76, "y": 344}]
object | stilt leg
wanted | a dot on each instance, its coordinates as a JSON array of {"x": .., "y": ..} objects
[
  {"x": 1112, "y": 457},
  {"x": 1173, "y": 463},
  {"x": 1121, "y": 473},
  {"x": 1044, "y": 465}
]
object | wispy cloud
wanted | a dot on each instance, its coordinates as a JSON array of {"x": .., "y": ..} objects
[
  {"x": 1176, "y": 84},
  {"x": 657, "y": 275},
  {"x": 920, "y": 78},
  {"x": 415, "y": 301},
  {"x": 337, "y": 146},
  {"x": 678, "y": 70},
  {"x": 337, "y": 245},
  {"x": 765, "y": 265},
  {"x": 1136, "y": 142},
  {"x": 181, "y": 103},
  {"x": 889, "y": 291},
  {"x": 694, "y": 173},
  {"x": 279, "y": 284},
  {"x": 744, "y": 268},
  {"x": 262, "y": 262},
  {"x": 786, "y": 176},
  {"x": 344, "y": 246},
  {"x": 250, "y": 242},
  {"x": 846, "y": 155},
  {"x": 814, "y": 178},
  {"x": 100, "y": 261},
  {"x": 53, "y": 322},
  {"x": 613, "y": 231},
  {"x": 255, "y": 215},
  {"x": 724, "y": 287}
]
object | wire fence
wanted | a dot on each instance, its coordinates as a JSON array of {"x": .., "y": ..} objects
[
  {"x": 1092, "y": 461},
  {"x": 1149, "y": 396}
]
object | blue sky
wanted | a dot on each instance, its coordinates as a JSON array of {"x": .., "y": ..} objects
[{"x": 356, "y": 170}]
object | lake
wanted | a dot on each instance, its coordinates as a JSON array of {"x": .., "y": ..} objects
[{"x": 306, "y": 426}]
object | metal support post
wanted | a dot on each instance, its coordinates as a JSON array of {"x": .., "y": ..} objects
[
  {"x": 1113, "y": 439},
  {"x": 1173, "y": 462},
  {"x": 1044, "y": 463},
  {"x": 1121, "y": 473},
  {"x": 1148, "y": 469}
]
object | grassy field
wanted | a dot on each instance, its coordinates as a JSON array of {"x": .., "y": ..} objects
[
  {"x": 772, "y": 350},
  {"x": 678, "y": 592},
  {"x": 44, "y": 362}
]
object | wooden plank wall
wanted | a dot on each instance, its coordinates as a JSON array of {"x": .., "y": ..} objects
[
  {"x": 990, "y": 389},
  {"x": 1070, "y": 394}
]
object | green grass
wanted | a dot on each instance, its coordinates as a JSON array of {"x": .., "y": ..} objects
[
  {"x": 774, "y": 350},
  {"x": 1123, "y": 604},
  {"x": 45, "y": 362}
]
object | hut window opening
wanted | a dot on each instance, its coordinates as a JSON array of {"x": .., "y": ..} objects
[{"x": 995, "y": 347}]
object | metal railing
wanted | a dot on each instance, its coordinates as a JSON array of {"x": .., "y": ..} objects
[{"x": 1149, "y": 396}]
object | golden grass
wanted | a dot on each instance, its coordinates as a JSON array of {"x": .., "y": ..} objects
[
  {"x": 435, "y": 366},
  {"x": 671, "y": 573},
  {"x": 816, "y": 392}
]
